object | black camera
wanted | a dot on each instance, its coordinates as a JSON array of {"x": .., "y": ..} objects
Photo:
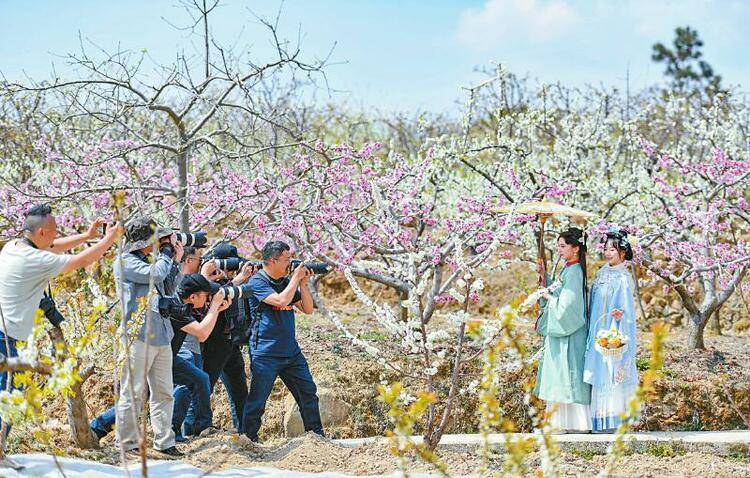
[
  {"x": 174, "y": 308},
  {"x": 234, "y": 263},
  {"x": 192, "y": 239},
  {"x": 48, "y": 306},
  {"x": 315, "y": 267}
]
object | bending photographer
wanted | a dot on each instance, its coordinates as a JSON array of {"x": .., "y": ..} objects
[
  {"x": 27, "y": 266},
  {"x": 274, "y": 351},
  {"x": 192, "y": 391}
]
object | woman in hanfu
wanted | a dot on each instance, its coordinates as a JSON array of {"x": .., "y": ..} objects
[
  {"x": 563, "y": 325},
  {"x": 613, "y": 379}
]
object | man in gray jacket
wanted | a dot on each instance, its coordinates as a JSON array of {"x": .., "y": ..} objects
[{"x": 150, "y": 357}]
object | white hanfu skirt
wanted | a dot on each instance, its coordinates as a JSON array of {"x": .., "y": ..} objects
[{"x": 570, "y": 416}]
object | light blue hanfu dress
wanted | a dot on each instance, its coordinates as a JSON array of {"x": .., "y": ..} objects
[
  {"x": 560, "y": 377},
  {"x": 613, "y": 381}
]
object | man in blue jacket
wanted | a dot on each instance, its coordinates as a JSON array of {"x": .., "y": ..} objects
[{"x": 274, "y": 351}]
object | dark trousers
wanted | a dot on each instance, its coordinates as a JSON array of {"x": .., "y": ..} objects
[
  {"x": 222, "y": 359},
  {"x": 295, "y": 373},
  {"x": 192, "y": 386},
  {"x": 9, "y": 350}
]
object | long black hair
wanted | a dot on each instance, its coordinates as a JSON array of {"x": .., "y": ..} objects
[{"x": 576, "y": 237}]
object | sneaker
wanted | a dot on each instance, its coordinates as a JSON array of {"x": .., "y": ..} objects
[
  {"x": 7, "y": 462},
  {"x": 133, "y": 454},
  {"x": 171, "y": 452}
]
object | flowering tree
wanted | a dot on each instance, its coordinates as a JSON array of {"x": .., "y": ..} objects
[
  {"x": 225, "y": 109},
  {"x": 697, "y": 245}
]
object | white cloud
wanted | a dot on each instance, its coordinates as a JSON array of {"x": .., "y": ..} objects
[{"x": 501, "y": 21}]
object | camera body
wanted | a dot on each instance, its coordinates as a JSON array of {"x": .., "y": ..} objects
[
  {"x": 48, "y": 306},
  {"x": 174, "y": 308}
]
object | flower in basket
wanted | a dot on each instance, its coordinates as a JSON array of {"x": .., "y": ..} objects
[{"x": 611, "y": 339}]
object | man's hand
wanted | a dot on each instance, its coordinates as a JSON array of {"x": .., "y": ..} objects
[
  {"x": 179, "y": 251},
  {"x": 219, "y": 302},
  {"x": 617, "y": 314},
  {"x": 301, "y": 274},
  {"x": 112, "y": 232},
  {"x": 247, "y": 271},
  {"x": 211, "y": 272},
  {"x": 93, "y": 231}
]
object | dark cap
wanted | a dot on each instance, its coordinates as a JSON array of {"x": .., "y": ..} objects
[
  {"x": 194, "y": 283},
  {"x": 140, "y": 231},
  {"x": 223, "y": 250}
]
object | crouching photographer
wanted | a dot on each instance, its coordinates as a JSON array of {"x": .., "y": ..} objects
[
  {"x": 189, "y": 319},
  {"x": 222, "y": 357}
]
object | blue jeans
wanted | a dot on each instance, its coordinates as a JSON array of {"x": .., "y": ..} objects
[
  {"x": 104, "y": 423},
  {"x": 192, "y": 385},
  {"x": 295, "y": 373},
  {"x": 182, "y": 394},
  {"x": 222, "y": 359},
  {"x": 9, "y": 351}
]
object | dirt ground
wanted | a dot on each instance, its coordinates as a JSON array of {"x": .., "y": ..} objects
[{"x": 706, "y": 390}]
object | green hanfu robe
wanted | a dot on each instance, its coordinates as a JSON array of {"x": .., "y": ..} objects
[{"x": 563, "y": 326}]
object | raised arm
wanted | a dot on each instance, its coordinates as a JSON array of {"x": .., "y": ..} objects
[
  {"x": 201, "y": 330},
  {"x": 64, "y": 244},
  {"x": 92, "y": 254}
]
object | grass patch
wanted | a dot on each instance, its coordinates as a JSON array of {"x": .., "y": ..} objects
[
  {"x": 586, "y": 453},
  {"x": 665, "y": 450}
]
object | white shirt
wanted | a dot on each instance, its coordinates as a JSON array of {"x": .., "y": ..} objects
[{"x": 24, "y": 274}]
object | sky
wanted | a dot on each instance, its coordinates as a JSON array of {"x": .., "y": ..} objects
[{"x": 393, "y": 55}]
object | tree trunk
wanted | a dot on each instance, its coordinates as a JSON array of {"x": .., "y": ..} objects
[
  {"x": 697, "y": 326},
  {"x": 78, "y": 417},
  {"x": 716, "y": 322},
  {"x": 182, "y": 190}
]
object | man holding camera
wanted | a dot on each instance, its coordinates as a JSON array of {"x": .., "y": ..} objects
[
  {"x": 222, "y": 357},
  {"x": 27, "y": 266},
  {"x": 274, "y": 351},
  {"x": 134, "y": 274},
  {"x": 192, "y": 392}
]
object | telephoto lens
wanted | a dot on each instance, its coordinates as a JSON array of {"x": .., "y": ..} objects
[
  {"x": 234, "y": 263},
  {"x": 192, "y": 239},
  {"x": 315, "y": 267},
  {"x": 236, "y": 292}
]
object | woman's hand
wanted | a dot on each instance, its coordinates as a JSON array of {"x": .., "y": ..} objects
[{"x": 616, "y": 314}]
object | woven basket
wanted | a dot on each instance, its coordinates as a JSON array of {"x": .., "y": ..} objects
[{"x": 611, "y": 353}]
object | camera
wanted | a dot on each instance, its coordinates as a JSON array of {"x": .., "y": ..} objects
[
  {"x": 48, "y": 306},
  {"x": 234, "y": 263},
  {"x": 172, "y": 307},
  {"x": 192, "y": 239},
  {"x": 315, "y": 267}
]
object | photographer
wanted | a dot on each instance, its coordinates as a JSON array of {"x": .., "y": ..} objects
[
  {"x": 184, "y": 371},
  {"x": 274, "y": 351},
  {"x": 27, "y": 266},
  {"x": 222, "y": 357},
  {"x": 192, "y": 391},
  {"x": 134, "y": 273}
]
